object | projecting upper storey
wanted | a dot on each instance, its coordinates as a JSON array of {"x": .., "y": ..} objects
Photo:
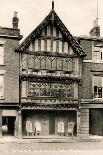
[{"x": 55, "y": 37}]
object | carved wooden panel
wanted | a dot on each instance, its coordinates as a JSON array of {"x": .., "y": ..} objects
[
  {"x": 51, "y": 89},
  {"x": 76, "y": 66},
  {"x": 24, "y": 61},
  {"x": 50, "y": 63},
  {"x": 30, "y": 61},
  {"x": 24, "y": 89}
]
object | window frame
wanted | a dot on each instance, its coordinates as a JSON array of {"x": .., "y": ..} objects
[{"x": 97, "y": 94}]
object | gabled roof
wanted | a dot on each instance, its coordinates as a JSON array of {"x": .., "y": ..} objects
[{"x": 52, "y": 16}]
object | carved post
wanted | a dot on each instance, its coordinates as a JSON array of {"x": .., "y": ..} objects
[
  {"x": 19, "y": 122},
  {"x": 78, "y": 123}
]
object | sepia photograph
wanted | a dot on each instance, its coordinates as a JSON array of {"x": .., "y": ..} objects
[{"x": 51, "y": 77}]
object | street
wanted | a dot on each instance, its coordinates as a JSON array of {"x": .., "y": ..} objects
[{"x": 32, "y": 148}]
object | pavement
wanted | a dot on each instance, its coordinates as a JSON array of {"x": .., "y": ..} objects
[{"x": 50, "y": 139}]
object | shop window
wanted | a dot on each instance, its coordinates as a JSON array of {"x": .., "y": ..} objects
[
  {"x": 98, "y": 87},
  {"x": 1, "y": 86},
  {"x": 1, "y": 54}
]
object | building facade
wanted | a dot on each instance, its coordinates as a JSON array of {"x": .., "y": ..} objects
[
  {"x": 9, "y": 79},
  {"x": 50, "y": 84},
  {"x": 50, "y": 80},
  {"x": 92, "y": 84}
]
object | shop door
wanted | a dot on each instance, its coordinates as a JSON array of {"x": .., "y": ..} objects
[
  {"x": 51, "y": 125},
  {"x": 96, "y": 122},
  {"x": 45, "y": 127},
  {"x": 8, "y": 125}
]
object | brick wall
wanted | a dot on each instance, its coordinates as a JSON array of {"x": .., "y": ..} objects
[
  {"x": 87, "y": 47},
  {"x": 87, "y": 81},
  {"x": 11, "y": 77},
  {"x": 84, "y": 123}
]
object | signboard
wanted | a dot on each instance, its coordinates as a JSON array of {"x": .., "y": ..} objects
[{"x": 8, "y": 112}]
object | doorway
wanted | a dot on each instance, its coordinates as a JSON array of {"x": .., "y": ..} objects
[
  {"x": 8, "y": 125},
  {"x": 96, "y": 122}
]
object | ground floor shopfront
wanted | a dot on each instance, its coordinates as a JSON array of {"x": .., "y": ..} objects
[
  {"x": 9, "y": 120},
  {"x": 49, "y": 122},
  {"x": 91, "y": 119}
]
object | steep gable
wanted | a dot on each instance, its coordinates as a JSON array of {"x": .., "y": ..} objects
[{"x": 58, "y": 30}]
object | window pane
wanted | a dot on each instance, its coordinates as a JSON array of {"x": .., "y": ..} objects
[
  {"x": 98, "y": 87},
  {"x": 43, "y": 62},
  {"x": 37, "y": 63},
  {"x": 42, "y": 45}
]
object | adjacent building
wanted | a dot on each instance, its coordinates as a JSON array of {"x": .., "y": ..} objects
[
  {"x": 9, "y": 78},
  {"x": 92, "y": 83}
]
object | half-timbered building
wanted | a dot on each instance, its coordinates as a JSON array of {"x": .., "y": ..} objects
[{"x": 50, "y": 80}]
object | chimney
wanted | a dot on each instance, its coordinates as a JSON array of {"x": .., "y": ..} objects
[
  {"x": 15, "y": 20},
  {"x": 95, "y": 31}
]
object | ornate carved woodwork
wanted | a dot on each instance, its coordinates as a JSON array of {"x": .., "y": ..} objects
[
  {"x": 49, "y": 90},
  {"x": 49, "y": 63},
  {"x": 51, "y": 105}
]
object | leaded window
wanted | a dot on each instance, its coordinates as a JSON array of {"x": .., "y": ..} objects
[
  {"x": 59, "y": 64},
  {"x": 54, "y": 63},
  {"x": 43, "y": 62},
  {"x": 48, "y": 63},
  {"x": 37, "y": 62}
]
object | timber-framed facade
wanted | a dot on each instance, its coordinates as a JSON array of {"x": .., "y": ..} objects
[{"x": 50, "y": 80}]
